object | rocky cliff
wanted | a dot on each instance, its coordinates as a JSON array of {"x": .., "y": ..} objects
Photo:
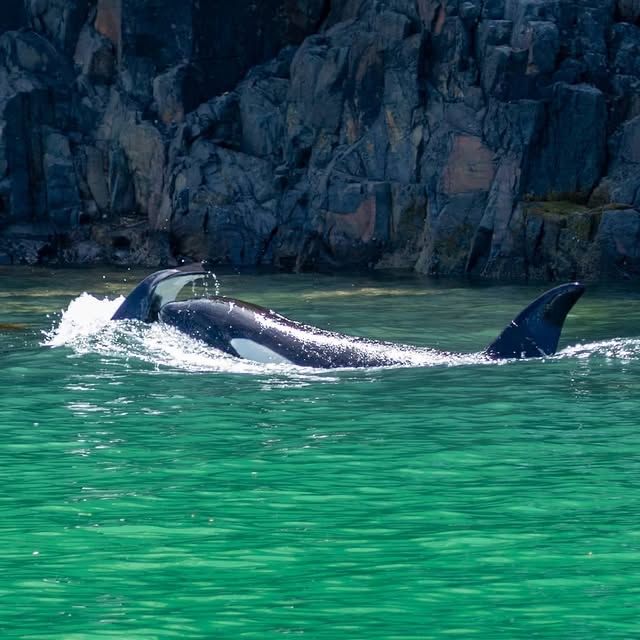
[{"x": 498, "y": 138}]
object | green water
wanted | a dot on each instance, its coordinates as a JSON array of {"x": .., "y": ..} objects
[{"x": 147, "y": 493}]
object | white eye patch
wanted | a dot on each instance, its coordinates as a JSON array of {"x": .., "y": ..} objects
[{"x": 250, "y": 350}]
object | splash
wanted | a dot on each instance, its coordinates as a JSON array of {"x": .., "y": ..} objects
[
  {"x": 85, "y": 316},
  {"x": 86, "y": 327},
  {"x": 624, "y": 349}
]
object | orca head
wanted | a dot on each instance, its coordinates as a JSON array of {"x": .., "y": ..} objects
[{"x": 150, "y": 295}]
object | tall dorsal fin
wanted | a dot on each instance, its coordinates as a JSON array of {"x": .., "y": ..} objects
[{"x": 535, "y": 331}]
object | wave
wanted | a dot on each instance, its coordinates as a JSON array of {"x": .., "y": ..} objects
[
  {"x": 86, "y": 327},
  {"x": 613, "y": 349}
]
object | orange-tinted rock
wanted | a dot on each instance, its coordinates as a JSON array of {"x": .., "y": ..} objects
[
  {"x": 109, "y": 22},
  {"x": 470, "y": 166}
]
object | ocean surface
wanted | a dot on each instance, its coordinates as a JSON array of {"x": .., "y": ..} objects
[{"x": 152, "y": 487}]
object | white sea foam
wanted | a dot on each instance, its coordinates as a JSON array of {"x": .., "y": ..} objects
[
  {"x": 613, "y": 349},
  {"x": 86, "y": 327},
  {"x": 85, "y": 316}
]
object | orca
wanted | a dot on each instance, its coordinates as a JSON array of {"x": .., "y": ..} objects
[
  {"x": 248, "y": 331},
  {"x": 156, "y": 290}
]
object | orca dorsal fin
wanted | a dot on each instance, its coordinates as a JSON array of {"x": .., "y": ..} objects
[
  {"x": 535, "y": 331},
  {"x": 150, "y": 295}
]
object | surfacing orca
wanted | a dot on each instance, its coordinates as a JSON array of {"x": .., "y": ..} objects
[{"x": 252, "y": 332}]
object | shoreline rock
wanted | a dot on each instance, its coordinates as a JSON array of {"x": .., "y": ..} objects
[{"x": 485, "y": 138}]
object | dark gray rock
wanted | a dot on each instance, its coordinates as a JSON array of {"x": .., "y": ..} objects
[
  {"x": 13, "y": 15},
  {"x": 625, "y": 49},
  {"x": 565, "y": 162},
  {"x": 491, "y": 137},
  {"x": 223, "y": 206},
  {"x": 217, "y": 120},
  {"x": 60, "y": 21},
  {"x": 129, "y": 243},
  {"x": 629, "y": 9},
  {"x": 96, "y": 56},
  {"x": 618, "y": 244},
  {"x": 121, "y": 192},
  {"x": 492, "y": 33},
  {"x": 62, "y": 197},
  {"x": 262, "y": 114},
  {"x": 543, "y": 40},
  {"x": 172, "y": 97},
  {"x": 493, "y": 9},
  {"x": 84, "y": 252},
  {"x": 622, "y": 184}
]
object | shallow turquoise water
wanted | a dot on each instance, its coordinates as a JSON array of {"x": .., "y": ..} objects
[{"x": 153, "y": 489}]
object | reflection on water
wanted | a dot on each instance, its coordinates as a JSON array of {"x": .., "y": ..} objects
[{"x": 151, "y": 488}]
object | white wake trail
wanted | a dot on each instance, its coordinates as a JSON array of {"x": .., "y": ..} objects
[{"x": 86, "y": 327}]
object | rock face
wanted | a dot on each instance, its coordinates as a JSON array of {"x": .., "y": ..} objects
[{"x": 498, "y": 138}]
